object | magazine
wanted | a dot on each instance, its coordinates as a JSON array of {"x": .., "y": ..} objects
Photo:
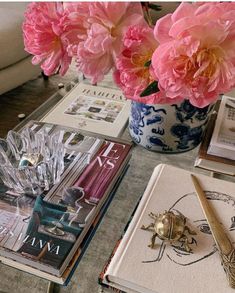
[
  {"x": 222, "y": 142},
  {"x": 210, "y": 162},
  {"x": 143, "y": 263},
  {"x": 92, "y": 108},
  {"x": 43, "y": 234}
]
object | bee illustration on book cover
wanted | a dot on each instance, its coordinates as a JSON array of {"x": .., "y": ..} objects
[{"x": 199, "y": 237}]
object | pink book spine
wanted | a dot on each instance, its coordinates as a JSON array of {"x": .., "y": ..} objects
[{"x": 98, "y": 175}]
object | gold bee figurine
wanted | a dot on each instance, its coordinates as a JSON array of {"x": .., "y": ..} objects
[{"x": 169, "y": 227}]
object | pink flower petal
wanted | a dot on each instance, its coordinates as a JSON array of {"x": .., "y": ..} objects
[
  {"x": 43, "y": 31},
  {"x": 182, "y": 11},
  {"x": 196, "y": 58},
  {"x": 161, "y": 29}
]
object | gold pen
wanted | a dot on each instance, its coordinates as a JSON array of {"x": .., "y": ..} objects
[{"x": 224, "y": 245}]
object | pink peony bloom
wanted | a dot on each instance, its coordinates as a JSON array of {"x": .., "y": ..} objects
[
  {"x": 106, "y": 23},
  {"x": 196, "y": 56},
  {"x": 89, "y": 31},
  {"x": 131, "y": 74},
  {"x": 47, "y": 33}
]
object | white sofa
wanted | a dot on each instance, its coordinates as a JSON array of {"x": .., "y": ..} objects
[{"x": 15, "y": 63}]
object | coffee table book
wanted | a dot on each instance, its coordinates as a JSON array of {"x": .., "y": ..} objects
[
  {"x": 92, "y": 108},
  {"x": 47, "y": 235},
  {"x": 210, "y": 162},
  {"x": 137, "y": 268}
]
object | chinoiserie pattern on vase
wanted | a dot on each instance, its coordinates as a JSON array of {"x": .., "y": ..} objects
[{"x": 168, "y": 128}]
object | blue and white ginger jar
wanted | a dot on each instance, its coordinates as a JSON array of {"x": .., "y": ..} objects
[{"x": 168, "y": 128}]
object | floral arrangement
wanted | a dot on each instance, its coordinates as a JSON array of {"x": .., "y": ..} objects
[{"x": 188, "y": 54}]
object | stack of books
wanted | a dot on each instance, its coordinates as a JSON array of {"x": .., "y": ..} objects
[
  {"x": 46, "y": 235},
  {"x": 217, "y": 151},
  {"x": 142, "y": 262}
]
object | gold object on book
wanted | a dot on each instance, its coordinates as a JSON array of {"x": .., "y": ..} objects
[
  {"x": 30, "y": 159},
  {"x": 56, "y": 229},
  {"x": 224, "y": 245},
  {"x": 169, "y": 227}
]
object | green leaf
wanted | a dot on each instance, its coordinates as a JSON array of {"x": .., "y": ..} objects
[
  {"x": 155, "y": 7},
  {"x": 147, "y": 64},
  {"x": 150, "y": 89}
]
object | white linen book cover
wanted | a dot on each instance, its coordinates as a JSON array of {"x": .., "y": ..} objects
[
  {"x": 92, "y": 108},
  {"x": 223, "y": 138},
  {"x": 169, "y": 268}
]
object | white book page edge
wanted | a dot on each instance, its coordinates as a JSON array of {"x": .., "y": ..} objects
[
  {"x": 218, "y": 122},
  {"x": 215, "y": 166},
  {"x": 117, "y": 258}
]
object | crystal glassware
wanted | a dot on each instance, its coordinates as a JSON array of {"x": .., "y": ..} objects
[{"x": 31, "y": 162}]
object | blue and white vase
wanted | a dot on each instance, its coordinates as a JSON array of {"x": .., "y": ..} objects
[{"x": 168, "y": 128}]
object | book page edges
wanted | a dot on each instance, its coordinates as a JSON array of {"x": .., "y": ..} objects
[
  {"x": 216, "y": 147},
  {"x": 129, "y": 287},
  {"x": 223, "y": 152},
  {"x": 31, "y": 270},
  {"x": 211, "y": 162},
  {"x": 215, "y": 166},
  {"x": 218, "y": 121},
  {"x": 119, "y": 254}
]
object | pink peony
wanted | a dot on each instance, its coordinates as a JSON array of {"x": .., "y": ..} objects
[
  {"x": 106, "y": 23},
  {"x": 47, "y": 33},
  {"x": 132, "y": 75},
  {"x": 196, "y": 56},
  {"x": 94, "y": 56},
  {"x": 89, "y": 31}
]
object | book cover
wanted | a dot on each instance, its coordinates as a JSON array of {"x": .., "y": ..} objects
[
  {"x": 211, "y": 162},
  {"x": 223, "y": 138},
  {"x": 104, "y": 286},
  {"x": 42, "y": 234},
  {"x": 136, "y": 267},
  {"x": 92, "y": 108}
]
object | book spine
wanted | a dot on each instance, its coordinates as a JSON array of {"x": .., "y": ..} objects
[{"x": 98, "y": 175}]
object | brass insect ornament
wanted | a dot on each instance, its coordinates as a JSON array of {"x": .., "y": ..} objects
[{"x": 169, "y": 227}]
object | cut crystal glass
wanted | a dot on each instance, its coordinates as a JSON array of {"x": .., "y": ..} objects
[{"x": 31, "y": 162}]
